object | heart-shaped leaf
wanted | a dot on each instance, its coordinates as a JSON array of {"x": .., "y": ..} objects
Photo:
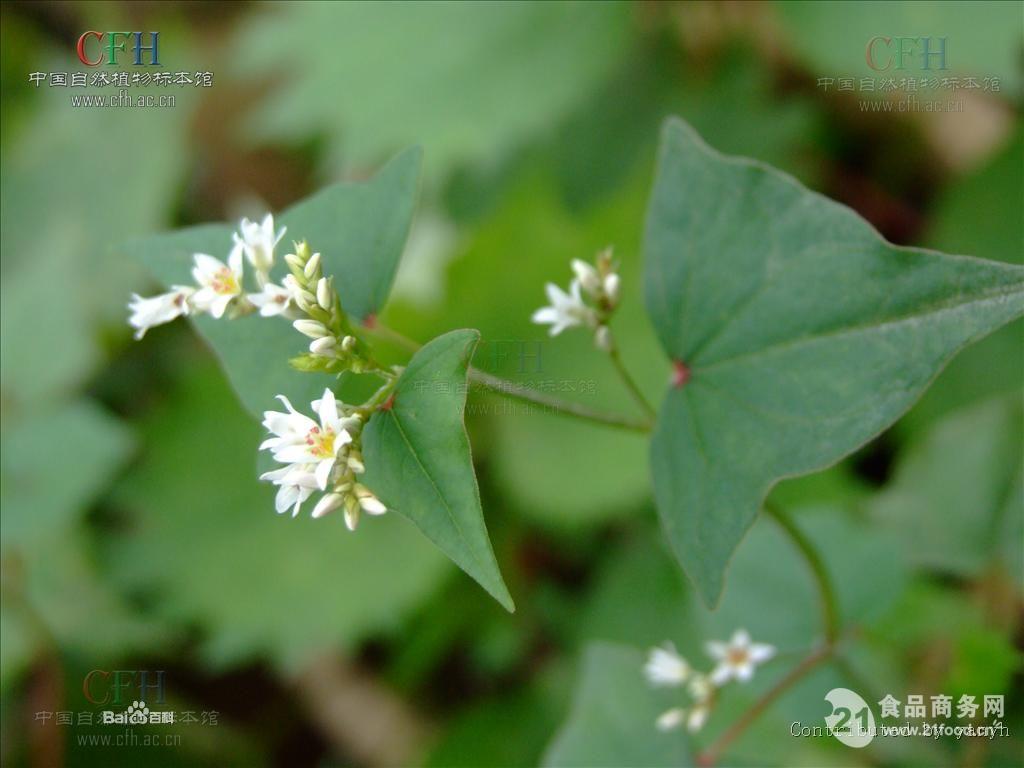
[
  {"x": 418, "y": 460},
  {"x": 798, "y": 334},
  {"x": 360, "y": 230}
]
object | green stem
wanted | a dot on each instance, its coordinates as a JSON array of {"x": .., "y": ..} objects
[
  {"x": 710, "y": 755},
  {"x": 630, "y": 382},
  {"x": 556, "y": 405},
  {"x": 829, "y": 605},
  {"x": 511, "y": 390}
]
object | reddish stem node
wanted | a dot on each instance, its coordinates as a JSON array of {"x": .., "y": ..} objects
[
  {"x": 680, "y": 374},
  {"x": 386, "y": 406},
  {"x": 370, "y": 321}
]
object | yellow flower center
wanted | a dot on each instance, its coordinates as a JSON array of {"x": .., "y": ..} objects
[
  {"x": 224, "y": 282},
  {"x": 321, "y": 443}
]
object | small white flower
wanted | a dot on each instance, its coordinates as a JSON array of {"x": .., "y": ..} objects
[
  {"x": 697, "y": 717},
  {"x": 566, "y": 309},
  {"x": 296, "y": 483},
  {"x": 737, "y": 658},
  {"x": 670, "y": 719},
  {"x": 272, "y": 300},
  {"x": 258, "y": 241},
  {"x": 666, "y": 667},
  {"x": 300, "y": 440},
  {"x": 156, "y": 310},
  {"x": 218, "y": 282}
]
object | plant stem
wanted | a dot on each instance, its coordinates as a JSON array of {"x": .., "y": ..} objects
[
  {"x": 511, "y": 390},
  {"x": 829, "y": 606},
  {"x": 556, "y": 405},
  {"x": 630, "y": 382},
  {"x": 710, "y": 755}
]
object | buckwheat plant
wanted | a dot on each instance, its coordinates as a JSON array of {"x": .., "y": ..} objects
[
  {"x": 734, "y": 660},
  {"x": 318, "y": 456},
  {"x": 792, "y": 334}
]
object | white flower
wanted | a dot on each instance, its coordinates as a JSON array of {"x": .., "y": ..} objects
[
  {"x": 219, "y": 283},
  {"x": 300, "y": 440},
  {"x": 737, "y": 658},
  {"x": 566, "y": 310},
  {"x": 698, "y": 716},
  {"x": 666, "y": 667},
  {"x": 296, "y": 483},
  {"x": 700, "y": 688},
  {"x": 156, "y": 310},
  {"x": 670, "y": 719},
  {"x": 272, "y": 299},
  {"x": 258, "y": 241}
]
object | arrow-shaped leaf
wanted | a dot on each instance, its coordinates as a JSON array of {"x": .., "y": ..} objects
[
  {"x": 359, "y": 228},
  {"x": 797, "y": 331},
  {"x": 418, "y": 459}
]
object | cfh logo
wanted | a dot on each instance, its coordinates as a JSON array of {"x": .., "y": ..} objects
[
  {"x": 95, "y": 48},
  {"x": 114, "y": 687},
  {"x": 885, "y": 53}
]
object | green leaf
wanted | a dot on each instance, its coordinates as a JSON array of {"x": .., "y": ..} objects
[
  {"x": 613, "y": 717},
  {"x": 256, "y": 583},
  {"x": 373, "y": 77},
  {"x": 82, "y": 441},
  {"x": 804, "y": 332},
  {"x": 955, "y": 498},
  {"x": 418, "y": 459},
  {"x": 982, "y": 38},
  {"x": 360, "y": 230}
]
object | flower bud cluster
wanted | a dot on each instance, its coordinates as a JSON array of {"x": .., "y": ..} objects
[
  {"x": 735, "y": 660},
  {"x": 591, "y": 301}
]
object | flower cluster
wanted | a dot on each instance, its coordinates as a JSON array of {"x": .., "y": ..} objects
[
  {"x": 734, "y": 660},
  {"x": 598, "y": 283},
  {"x": 219, "y": 286},
  {"x": 319, "y": 455}
]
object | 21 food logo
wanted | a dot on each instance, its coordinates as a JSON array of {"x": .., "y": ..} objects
[{"x": 851, "y": 721}]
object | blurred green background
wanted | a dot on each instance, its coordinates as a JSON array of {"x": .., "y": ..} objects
[{"x": 136, "y": 537}]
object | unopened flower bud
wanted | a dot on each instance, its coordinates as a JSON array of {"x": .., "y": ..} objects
[
  {"x": 588, "y": 277},
  {"x": 323, "y": 293},
  {"x": 311, "y": 328},
  {"x": 328, "y": 503},
  {"x": 294, "y": 262},
  {"x": 323, "y": 346},
  {"x": 603, "y": 338},
  {"x": 370, "y": 503},
  {"x": 312, "y": 265},
  {"x": 351, "y": 512},
  {"x": 355, "y": 463},
  {"x": 348, "y": 343},
  {"x": 611, "y": 288}
]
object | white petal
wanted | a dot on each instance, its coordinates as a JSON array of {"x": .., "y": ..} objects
[
  {"x": 740, "y": 639},
  {"x": 235, "y": 260},
  {"x": 206, "y": 266},
  {"x": 328, "y": 411},
  {"x": 323, "y": 473},
  {"x": 716, "y": 650},
  {"x": 286, "y": 496},
  {"x": 545, "y": 315},
  {"x": 721, "y": 674},
  {"x": 760, "y": 652},
  {"x": 744, "y": 671}
]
